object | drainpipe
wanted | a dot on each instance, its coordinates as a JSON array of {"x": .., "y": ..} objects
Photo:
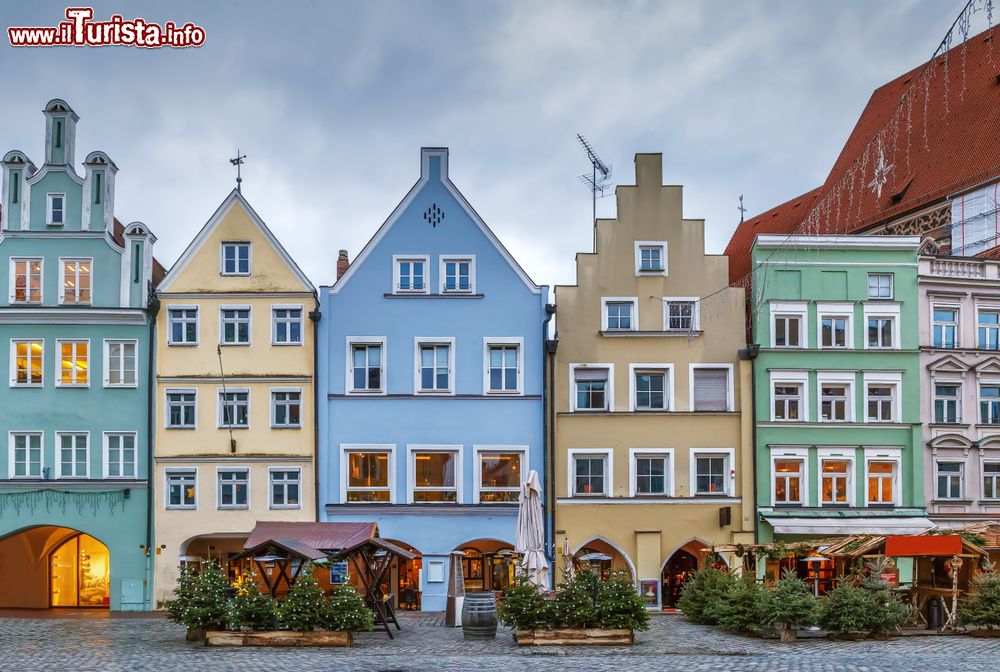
[
  {"x": 315, "y": 316},
  {"x": 549, "y": 430},
  {"x": 750, "y": 354},
  {"x": 152, "y": 308}
]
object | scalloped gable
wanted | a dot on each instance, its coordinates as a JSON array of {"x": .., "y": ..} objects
[
  {"x": 950, "y": 440},
  {"x": 271, "y": 268},
  {"x": 948, "y": 364}
]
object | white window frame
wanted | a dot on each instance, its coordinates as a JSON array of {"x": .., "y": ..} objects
[
  {"x": 166, "y": 406},
  {"x": 633, "y": 315},
  {"x": 633, "y": 471},
  {"x": 62, "y": 280},
  {"x": 274, "y": 324},
  {"x": 994, "y": 475},
  {"x": 885, "y": 378},
  {"x": 12, "y": 281},
  {"x": 695, "y": 313},
  {"x": 790, "y": 309},
  {"x": 218, "y": 488},
  {"x": 170, "y": 325},
  {"x": 222, "y": 258},
  {"x": 477, "y": 467},
  {"x": 841, "y": 310},
  {"x": 58, "y": 362},
  {"x": 219, "y": 402},
  {"x": 882, "y": 310},
  {"x": 352, "y": 341},
  {"x": 730, "y": 476},
  {"x": 108, "y": 342},
  {"x": 885, "y": 455},
  {"x": 986, "y": 308},
  {"x": 837, "y": 378},
  {"x": 609, "y": 392},
  {"x": 49, "y": 210},
  {"x": 503, "y": 341},
  {"x": 166, "y": 488},
  {"x": 286, "y": 390},
  {"x": 961, "y": 479},
  {"x": 979, "y": 401},
  {"x": 668, "y": 386},
  {"x": 346, "y": 449},
  {"x": 106, "y": 455},
  {"x": 892, "y": 286},
  {"x": 443, "y": 260},
  {"x": 58, "y": 455},
  {"x": 13, "y": 362},
  {"x": 609, "y": 471},
  {"x": 270, "y": 489},
  {"x": 836, "y": 454},
  {"x": 11, "y": 462},
  {"x": 958, "y": 398},
  {"x": 730, "y": 389},
  {"x": 957, "y": 324},
  {"x": 799, "y": 378},
  {"x": 457, "y": 450},
  {"x": 639, "y": 245},
  {"x": 400, "y": 258},
  {"x": 222, "y": 325},
  {"x": 420, "y": 341},
  {"x": 788, "y": 454}
]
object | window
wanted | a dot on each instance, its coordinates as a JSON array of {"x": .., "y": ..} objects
[
  {"x": 788, "y": 402},
  {"x": 681, "y": 315},
  {"x": 589, "y": 475},
  {"x": 73, "y": 363},
  {"x": 650, "y": 257},
  {"x": 233, "y": 488},
  {"x": 26, "y": 455},
  {"x": 181, "y": 409},
  {"x": 75, "y": 281},
  {"x": 834, "y": 331},
  {"x": 710, "y": 475},
  {"x": 119, "y": 455},
  {"x": 27, "y": 365},
  {"x": 945, "y": 327},
  {"x": 458, "y": 275},
  {"x": 285, "y": 487},
  {"x": 182, "y": 486},
  {"x": 835, "y": 477},
  {"x": 946, "y": 403},
  {"x": 988, "y": 326},
  {"x": 651, "y": 473},
  {"x": 183, "y": 324},
  {"x": 55, "y": 212},
  {"x": 949, "y": 480},
  {"x": 235, "y": 258},
  {"x": 880, "y": 285},
  {"x": 286, "y": 408},
  {"x": 120, "y": 363},
  {"x": 711, "y": 388},
  {"x": 368, "y": 474},
  {"x": 434, "y": 368},
  {"x": 500, "y": 476},
  {"x": 881, "y": 482},
  {"x": 26, "y": 281},
  {"x": 619, "y": 315},
  {"x": 880, "y": 332},
  {"x": 503, "y": 368},
  {"x": 235, "y": 325},
  {"x": 287, "y": 326},
  {"x": 788, "y": 482},
  {"x": 991, "y": 480},
  {"x": 788, "y": 331},
  {"x": 650, "y": 390},
  {"x": 989, "y": 404},
  {"x": 881, "y": 402},
  {"x": 434, "y": 476},
  {"x": 73, "y": 457},
  {"x": 411, "y": 275},
  {"x": 591, "y": 389},
  {"x": 833, "y": 402},
  {"x": 234, "y": 409},
  {"x": 366, "y": 367}
]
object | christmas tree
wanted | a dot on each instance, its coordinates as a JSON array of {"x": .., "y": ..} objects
[
  {"x": 620, "y": 606},
  {"x": 200, "y": 598},
  {"x": 303, "y": 608},
  {"x": 347, "y": 611},
  {"x": 250, "y": 609},
  {"x": 982, "y": 606},
  {"x": 525, "y": 608},
  {"x": 576, "y": 602},
  {"x": 791, "y": 605}
]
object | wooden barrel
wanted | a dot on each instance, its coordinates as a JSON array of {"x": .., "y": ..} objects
[{"x": 479, "y": 616}]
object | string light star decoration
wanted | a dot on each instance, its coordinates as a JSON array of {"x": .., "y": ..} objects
[{"x": 882, "y": 170}]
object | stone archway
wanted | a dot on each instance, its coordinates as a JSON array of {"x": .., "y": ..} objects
[
  {"x": 678, "y": 568},
  {"x": 53, "y": 566}
]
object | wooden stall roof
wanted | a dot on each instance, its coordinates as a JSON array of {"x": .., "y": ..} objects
[
  {"x": 318, "y": 536},
  {"x": 377, "y": 543},
  {"x": 289, "y": 546}
]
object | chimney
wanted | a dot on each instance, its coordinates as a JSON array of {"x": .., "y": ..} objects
[{"x": 343, "y": 263}]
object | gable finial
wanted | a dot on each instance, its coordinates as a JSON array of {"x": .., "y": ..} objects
[
  {"x": 743, "y": 210},
  {"x": 238, "y": 161}
]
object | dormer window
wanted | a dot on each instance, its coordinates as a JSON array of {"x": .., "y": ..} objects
[
  {"x": 236, "y": 258},
  {"x": 410, "y": 275},
  {"x": 458, "y": 275},
  {"x": 55, "y": 211},
  {"x": 650, "y": 257}
]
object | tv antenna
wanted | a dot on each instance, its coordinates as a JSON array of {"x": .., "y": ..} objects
[{"x": 597, "y": 181}]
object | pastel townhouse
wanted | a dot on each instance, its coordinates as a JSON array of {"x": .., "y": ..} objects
[{"x": 431, "y": 401}]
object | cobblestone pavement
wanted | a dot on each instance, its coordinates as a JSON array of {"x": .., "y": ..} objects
[{"x": 672, "y": 643}]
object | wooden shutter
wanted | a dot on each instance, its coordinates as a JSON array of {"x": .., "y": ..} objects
[{"x": 711, "y": 389}]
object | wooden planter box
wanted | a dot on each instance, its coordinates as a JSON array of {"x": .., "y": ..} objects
[
  {"x": 985, "y": 633},
  {"x": 575, "y": 637},
  {"x": 279, "y": 638}
]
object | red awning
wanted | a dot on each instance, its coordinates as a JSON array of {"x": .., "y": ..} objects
[{"x": 908, "y": 547}]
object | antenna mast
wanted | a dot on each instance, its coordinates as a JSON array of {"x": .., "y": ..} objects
[{"x": 597, "y": 181}]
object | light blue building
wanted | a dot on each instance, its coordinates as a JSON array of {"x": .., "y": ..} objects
[
  {"x": 430, "y": 377},
  {"x": 74, "y": 518}
]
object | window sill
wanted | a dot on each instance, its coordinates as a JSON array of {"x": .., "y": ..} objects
[
  {"x": 109, "y": 386},
  {"x": 234, "y": 345},
  {"x": 793, "y": 505},
  {"x": 966, "y": 502},
  {"x": 948, "y": 425},
  {"x": 28, "y": 385},
  {"x": 233, "y": 508},
  {"x": 283, "y": 344},
  {"x": 182, "y": 428},
  {"x": 279, "y": 507},
  {"x": 181, "y": 508},
  {"x": 428, "y": 295},
  {"x": 182, "y": 345},
  {"x": 286, "y": 427},
  {"x": 677, "y": 333}
]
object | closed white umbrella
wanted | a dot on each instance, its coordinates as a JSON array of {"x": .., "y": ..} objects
[
  {"x": 529, "y": 539},
  {"x": 567, "y": 560}
]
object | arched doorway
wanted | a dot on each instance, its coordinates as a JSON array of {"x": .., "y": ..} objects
[
  {"x": 80, "y": 573},
  {"x": 676, "y": 572},
  {"x": 604, "y": 558},
  {"x": 488, "y": 564},
  {"x": 52, "y": 566}
]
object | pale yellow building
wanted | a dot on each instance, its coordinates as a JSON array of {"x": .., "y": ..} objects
[
  {"x": 653, "y": 459},
  {"x": 235, "y": 425}
]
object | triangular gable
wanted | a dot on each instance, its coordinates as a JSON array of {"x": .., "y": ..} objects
[
  {"x": 234, "y": 197},
  {"x": 425, "y": 154},
  {"x": 948, "y": 364},
  {"x": 988, "y": 365}
]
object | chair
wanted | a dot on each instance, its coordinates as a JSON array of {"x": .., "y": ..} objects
[{"x": 408, "y": 598}]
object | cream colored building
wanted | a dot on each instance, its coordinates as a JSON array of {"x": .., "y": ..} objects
[
  {"x": 235, "y": 429},
  {"x": 653, "y": 455}
]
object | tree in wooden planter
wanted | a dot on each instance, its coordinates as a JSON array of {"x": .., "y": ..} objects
[
  {"x": 346, "y": 610},
  {"x": 525, "y": 608},
  {"x": 981, "y": 608},
  {"x": 199, "y": 599},
  {"x": 701, "y": 595},
  {"x": 576, "y": 601},
  {"x": 790, "y": 606},
  {"x": 304, "y": 608},
  {"x": 742, "y": 608},
  {"x": 619, "y": 606},
  {"x": 249, "y": 609}
]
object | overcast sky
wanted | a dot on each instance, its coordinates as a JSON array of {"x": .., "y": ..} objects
[{"x": 332, "y": 101}]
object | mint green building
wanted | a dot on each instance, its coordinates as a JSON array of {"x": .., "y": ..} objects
[{"x": 837, "y": 386}]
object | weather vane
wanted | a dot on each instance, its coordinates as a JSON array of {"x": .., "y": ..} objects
[
  {"x": 238, "y": 161},
  {"x": 743, "y": 211}
]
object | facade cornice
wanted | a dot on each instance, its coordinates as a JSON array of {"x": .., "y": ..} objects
[
  {"x": 75, "y": 485},
  {"x": 839, "y": 242},
  {"x": 263, "y": 378},
  {"x": 209, "y": 294},
  {"x": 643, "y": 501},
  {"x": 505, "y": 510},
  {"x": 229, "y": 458},
  {"x": 61, "y": 315}
]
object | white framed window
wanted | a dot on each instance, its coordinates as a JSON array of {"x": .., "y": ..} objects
[
  {"x": 286, "y": 407},
  {"x": 591, "y": 387},
  {"x": 182, "y": 324},
  {"x": 27, "y": 362},
  {"x": 711, "y": 387},
  {"x": 988, "y": 328},
  {"x": 409, "y": 274},
  {"x": 26, "y": 279},
  {"x": 681, "y": 313},
  {"x": 368, "y": 473},
  {"x": 234, "y": 325},
  {"x": 500, "y": 471},
  {"x": 75, "y": 281},
  {"x": 788, "y": 403},
  {"x": 950, "y": 479},
  {"x": 619, "y": 313},
  {"x": 366, "y": 364},
  {"x": 882, "y": 467},
  {"x": 72, "y": 455},
  {"x": 944, "y": 326},
  {"x": 232, "y": 488},
  {"x": 880, "y": 285},
  {"x": 73, "y": 363},
  {"x": 712, "y": 472},
  {"x": 989, "y": 403},
  {"x": 788, "y": 478},
  {"x": 991, "y": 480},
  {"x": 650, "y": 257},
  {"x": 235, "y": 258},
  {"x": 590, "y": 472},
  {"x": 651, "y": 472},
  {"x": 435, "y": 474},
  {"x": 55, "y": 209},
  {"x": 181, "y": 409},
  {"x": 181, "y": 491},
  {"x": 835, "y": 325},
  {"x": 121, "y": 363},
  {"x": 26, "y": 455},
  {"x": 234, "y": 408},
  {"x": 789, "y": 328},
  {"x": 836, "y": 400},
  {"x": 881, "y": 326},
  {"x": 457, "y": 274},
  {"x": 285, "y": 491},
  {"x": 947, "y": 402},
  {"x": 836, "y": 476},
  {"x": 286, "y": 325},
  {"x": 503, "y": 371},
  {"x": 651, "y": 387},
  {"x": 120, "y": 453},
  {"x": 882, "y": 396},
  {"x": 435, "y": 370}
]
